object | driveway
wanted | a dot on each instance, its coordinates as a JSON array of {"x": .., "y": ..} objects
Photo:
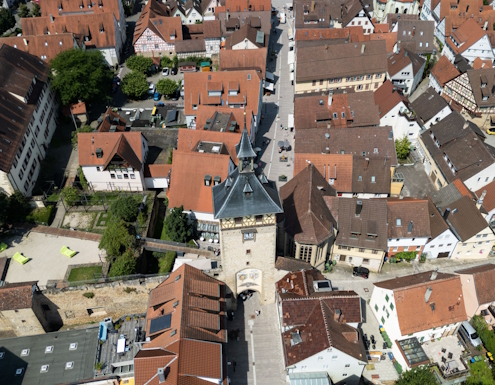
[
  {"x": 416, "y": 181},
  {"x": 255, "y": 357}
]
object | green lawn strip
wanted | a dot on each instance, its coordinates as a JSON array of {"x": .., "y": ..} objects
[
  {"x": 84, "y": 273},
  {"x": 166, "y": 262}
]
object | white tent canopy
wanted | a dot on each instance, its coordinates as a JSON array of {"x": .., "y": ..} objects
[
  {"x": 290, "y": 57},
  {"x": 269, "y": 76},
  {"x": 291, "y": 121}
]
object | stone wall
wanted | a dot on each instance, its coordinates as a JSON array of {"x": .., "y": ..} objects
[{"x": 69, "y": 306}]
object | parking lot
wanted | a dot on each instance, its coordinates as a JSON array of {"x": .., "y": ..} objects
[{"x": 46, "y": 263}]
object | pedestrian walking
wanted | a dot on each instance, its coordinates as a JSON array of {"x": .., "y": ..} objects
[{"x": 257, "y": 313}]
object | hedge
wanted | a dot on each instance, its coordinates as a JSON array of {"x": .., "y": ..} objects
[{"x": 486, "y": 335}]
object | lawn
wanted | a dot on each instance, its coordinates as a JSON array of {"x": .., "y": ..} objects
[
  {"x": 84, "y": 273},
  {"x": 480, "y": 374},
  {"x": 104, "y": 217},
  {"x": 160, "y": 263}
]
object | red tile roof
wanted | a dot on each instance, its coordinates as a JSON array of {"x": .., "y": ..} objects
[
  {"x": 157, "y": 170},
  {"x": 489, "y": 199},
  {"x": 465, "y": 36},
  {"x": 187, "y": 187},
  {"x": 386, "y": 97},
  {"x": 70, "y": 7},
  {"x": 35, "y": 45},
  {"x": 15, "y": 296},
  {"x": 389, "y": 37},
  {"x": 155, "y": 16},
  {"x": 330, "y": 33},
  {"x": 444, "y": 71},
  {"x": 233, "y": 60},
  {"x": 247, "y": 5},
  {"x": 408, "y": 211},
  {"x": 480, "y": 64}
]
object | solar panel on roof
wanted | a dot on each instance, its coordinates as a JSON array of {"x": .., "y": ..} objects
[
  {"x": 323, "y": 284},
  {"x": 260, "y": 37},
  {"x": 160, "y": 323}
]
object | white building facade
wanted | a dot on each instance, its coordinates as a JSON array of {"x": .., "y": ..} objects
[
  {"x": 402, "y": 123},
  {"x": 383, "y": 7},
  {"x": 441, "y": 246}
]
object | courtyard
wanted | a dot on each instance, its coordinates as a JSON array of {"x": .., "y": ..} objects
[{"x": 46, "y": 263}]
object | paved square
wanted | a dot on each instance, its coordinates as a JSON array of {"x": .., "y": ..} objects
[
  {"x": 46, "y": 263},
  {"x": 256, "y": 355}
]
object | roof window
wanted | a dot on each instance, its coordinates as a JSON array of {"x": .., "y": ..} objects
[
  {"x": 44, "y": 368},
  {"x": 69, "y": 365},
  {"x": 49, "y": 349},
  {"x": 25, "y": 352}
]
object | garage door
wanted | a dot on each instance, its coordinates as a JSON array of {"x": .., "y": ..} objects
[{"x": 443, "y": 255}]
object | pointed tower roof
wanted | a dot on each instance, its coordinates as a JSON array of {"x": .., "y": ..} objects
[{"x": 244, "y": 149}]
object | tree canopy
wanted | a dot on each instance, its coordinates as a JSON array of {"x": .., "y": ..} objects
[
  {"x": 166, "y": 86},
  {"x": 417, "y": 376},
  {"x": 139, "y": 63},
  {"x": 36, "y": 11},
  {"x": 403, "y": 147},
  {"x": 116, "y": 239},
  {"x": 23, "y": 10},
  {"x": 71, "y": 195},
  {"x": 7, "y": 20},
  {"x": 81, "y": 75},
  {"x": 176, "y": 226},
  {"x": 18, "y": 207},
  {"x": 125, "y": 208},
  {"x": 123, "y": 265},
  {"x": 134, "y": 85}
]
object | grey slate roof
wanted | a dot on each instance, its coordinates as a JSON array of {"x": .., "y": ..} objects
[
  {"x": 244, "y": 148},
  {"x": 83, "y": 358},
  {"x": 428, "y": 104}
]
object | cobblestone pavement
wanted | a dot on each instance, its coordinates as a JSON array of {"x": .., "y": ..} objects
[{"x": 255, "y": 357}]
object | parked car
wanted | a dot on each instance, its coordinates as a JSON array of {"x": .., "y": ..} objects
[
  {"x": 175, "y": 96},
  {"x": 151, "y": 89},
  {"x": 165, "y": 71},
  {"x": 361, "y": 272},
  {"x": 490, "y": 131},
  {"x": 469, "y": 334},
  {"x": 173, "y": 71},
  {"x": 157, "y": 96}
]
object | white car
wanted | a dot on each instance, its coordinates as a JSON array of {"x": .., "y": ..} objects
[
  {"x": 151, "y": 89},
  {"x": 165, "y": 71}
]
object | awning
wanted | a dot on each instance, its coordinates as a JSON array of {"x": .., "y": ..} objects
[
  {"x": 311, "y": 378},
  {"x": 291, "y": 66},
  {"x": 292, "y": 76},
  {"x": 291, "y": 44},
  {"x": 289, "y": 33},
  {"x": 268, "y": 86},
  {"x": 291, "y": 121},
  {"x": 290, "y": 59},
  {"x": 270, "y": 76}
]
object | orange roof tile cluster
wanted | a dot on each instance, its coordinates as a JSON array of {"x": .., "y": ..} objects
[
  {"x": 445, "y": 304},
  {"x": 189, "y": 341},
  {"x": 480, "y": 64},
  {"x": 156, "y": 17},
  {"x": 303, "y": 34},
  {"x": 462, "y": 188},
  {"x": 389, "y": 37},
  {"x": 198, "y": 90},
  {"x": 232, "y": 60},
  {"x": 489, "y": 199},
  {"x": 334, "y": 166},
  {"x": 95, "y": 30},
  {"x": 110, "y": 119},
  {"x": 157, "y": 170},
  {"x": 386, "y": 97},
  {"x": 408, "y": 218},
  {"x": 207, "y": 112},
  {"x": 247, "y": 5},
  {"x": 444, "y": 71},
  {"x": 70, "y": 7},
  {"x": 456, "y": 14},
  {"x": 44, "y": 47},
  {"x": 187, "y": 182},
  {"x": 127, "y": 145},
  {"x": 465, "y": 36}
]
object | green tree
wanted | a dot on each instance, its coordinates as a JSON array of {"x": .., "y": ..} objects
[
  {"x": 81, "y": 75},
  {"x": 166, "y": 86},
  {"x": 116, "y": 239},
  {"x": 417, "y": 376},
  {"x": 4, "y": 208},
  {"x": 167, "y": 62},
  {"x": 123, "y": 265},
  {"x": 18, "y": 208},
  {"x": 176, "y": 61},
  {"x": 7, "y": 20},
  {"x": 176, "y": 226},
  {"x": 403, "y": 147},
  {"x": 73, "y": 134},
  {"x": 23, "y": 10},
  {"x": 480, "y": 374},
  {"x": 82, "y": 178},
  {"x": 36, "y": 11},
  {"x": 134, "y": 85},
  {"x": 139, "y": 63},
  {"x": 125, "y": 208},
  {"x": 71, "y": 195}
]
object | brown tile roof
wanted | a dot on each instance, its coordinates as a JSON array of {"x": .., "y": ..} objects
[
  {"x": 156, "y": 17},
  {"x": 187, "y": 46},
  {"x": 316, "y": 12},
  {"x": 243, "y": 33},
  {"x": 290, "y": 264},
  {"x": 315, "y": 112},
  {"x": 196, "y": 89},
  {"x": 465, "y": 220},
  {"x": 307, "y": 218},
  {"x": 187, "y": 186},
  {"x": 341, "y": 60},
  {"x": 389, "y": 37},
  {"x": 393, "y": 18},
  {"x": 483, "y": 278},
  {"x": 125, "y": 144},
  {"x": 69, "y": 7},
  {"x": 387, "y": 97},
  {"x": 354, "y": 141},
  {"x": 372, "y": 221},
  {"x": 371, "y": 175},
  {"x": 475, "y": 80},
  {"x": 248, "y": 5},
  {"x": 416, "y": 35},
  {"x": 157, "y": 170},
  {"x": 238, "y": 19},
  {"x": 212, "y": 29},
  {"x": 82, "y": 25},
  {"x": 303, "y": 33},
  {"x": 444, "y": 71},
  {"x": 233, "y": 60},
  {"x": 489, "y": 199},
  {"x": 110, "y": 119},
  {"x": 35, "y": 45},
  {"x": 338, "y": 167},
  {"x": 413, "y": 215},
  {"x": 414, "y": 314},
  {"x": 437, "y": 223},
  {"x": 479, "y": 64},
  {"x": 14, "y": 296},
  {"x": 399, "y": 60},
  {"x": 465, "y": 36},
  {"x": 428, "y": 104}
]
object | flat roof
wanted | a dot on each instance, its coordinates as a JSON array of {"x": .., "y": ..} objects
[{"x": 81, "y": 355}]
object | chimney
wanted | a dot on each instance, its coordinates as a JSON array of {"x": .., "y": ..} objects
[
  {"x": 465, "y": 125},
  {"x": 366, "y": 163},
  {"x": 161, "y": 375},
  {"x": 330, "y": 98},
  {"x": 480, "y": 200},
  {"x": 363, "y": 48},
  {"x": 428, "y": 294},
  {"x": 51, "y": 18},
  {"x": 434, "y": 275},
  {"x": 25, "y": 41},
  {"x": 337, "y": 314},
  {"x": 446, "y": 213}
]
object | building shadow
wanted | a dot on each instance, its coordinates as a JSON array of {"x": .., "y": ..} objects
[{"x": 13, "y": 368}]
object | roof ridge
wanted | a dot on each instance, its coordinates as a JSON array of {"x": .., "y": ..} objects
[
  {"x": 310, "y": 186},
  {"x": 305, "y": 282},
  {"x": 320, "y": 298},
  {"x": 436, "y": 280},
  {"x": 325, "y": 321}
]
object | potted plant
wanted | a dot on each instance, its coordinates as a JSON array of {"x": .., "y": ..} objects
[
  {"x": 282, "y": 178},
  {"x": 99, "y": 366}
]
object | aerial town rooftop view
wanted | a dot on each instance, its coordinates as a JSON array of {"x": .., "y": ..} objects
[{"x": 247, "y": 192}]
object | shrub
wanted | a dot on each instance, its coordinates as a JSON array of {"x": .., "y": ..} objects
[
  {"x": 176, "y": 226},
  {"x": 71, "y": 195},
  {"x": 130, "y": 290},
  {"x": 486, "y": 335},
  {"x": 115, "y": 239},
  {"x": 123, "y": 265},
  {"x": 89, "y": 294},
  {"x": 99, "y": 366},
  {"x": 139, "y": 63},
  {"x": 403, "y": 147},
  {"x": 42, "y": 215},
  {"x": 82, "y": 179},
  {"x": 125, "y": 208},
  {"x": 392, "y": 260},
  {"x": 142, "y": 219},
  {"x": 406, "y": 255}
]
